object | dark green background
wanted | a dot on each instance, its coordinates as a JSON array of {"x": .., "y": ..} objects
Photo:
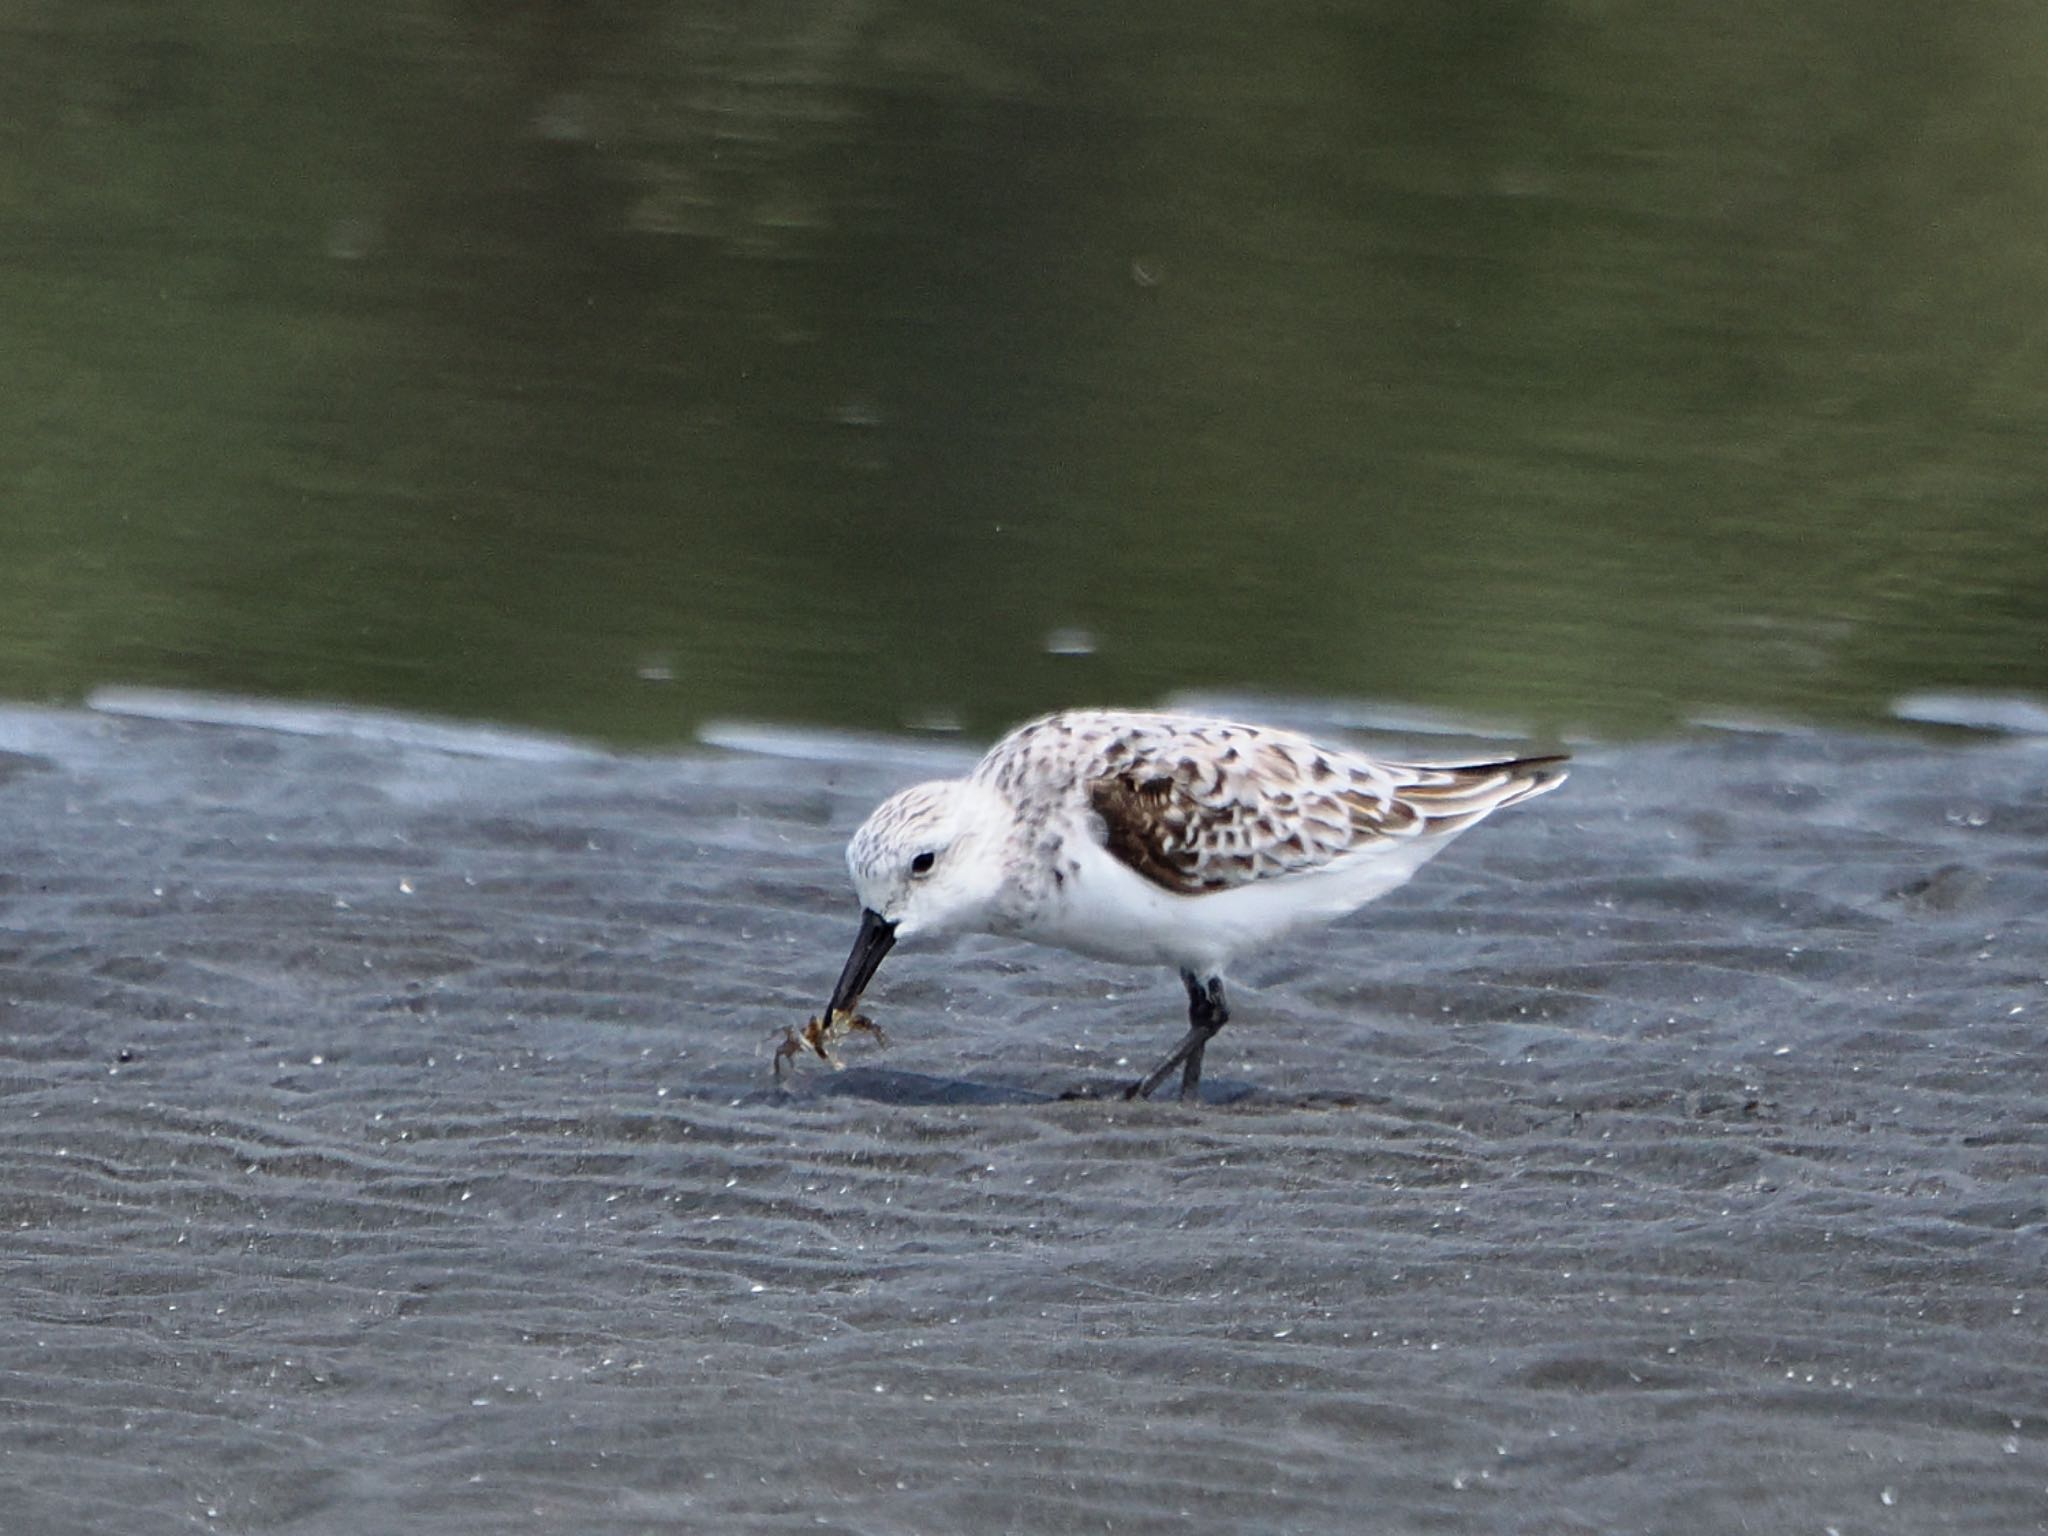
[{"x": 1591, "y": 364}]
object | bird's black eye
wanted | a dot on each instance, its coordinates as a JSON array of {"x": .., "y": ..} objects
[{"x": 922, "y": 864}]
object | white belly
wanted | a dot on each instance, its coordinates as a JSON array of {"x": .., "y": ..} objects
[{"x": 1106, "y": 909}]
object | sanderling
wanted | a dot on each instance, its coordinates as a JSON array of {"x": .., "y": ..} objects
[{"x": 1158, "y": 839}]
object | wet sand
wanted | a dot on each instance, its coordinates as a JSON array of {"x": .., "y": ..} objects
[{"x": 390, "y": 1145}]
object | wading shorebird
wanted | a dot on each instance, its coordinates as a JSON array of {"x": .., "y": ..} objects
[{"x": 1154, "y": 839}]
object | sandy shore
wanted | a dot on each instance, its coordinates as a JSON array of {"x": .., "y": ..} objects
[{"x": 390, "y": 1145}]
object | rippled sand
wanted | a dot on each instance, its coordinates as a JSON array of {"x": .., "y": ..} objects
[{"x": 390, "y": 1145}]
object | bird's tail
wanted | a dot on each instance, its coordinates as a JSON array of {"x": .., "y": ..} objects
[{"x": 1452, "y": 797}]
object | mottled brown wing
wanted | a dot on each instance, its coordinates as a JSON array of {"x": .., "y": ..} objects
[
  {"x": 1148, "y": 824},
  {"x": 1236, "y": 811},
  {"x": 1245, "y": 807}
]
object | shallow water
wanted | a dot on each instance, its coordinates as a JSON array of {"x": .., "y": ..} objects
[
  {"x": 391, "y": 1140},
  {"x": 611, "y": 369}
]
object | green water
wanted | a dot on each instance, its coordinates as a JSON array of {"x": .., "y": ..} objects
[{"x": 608, "y": 368}]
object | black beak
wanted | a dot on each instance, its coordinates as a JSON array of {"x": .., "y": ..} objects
[{"x": 876, "y": 937}]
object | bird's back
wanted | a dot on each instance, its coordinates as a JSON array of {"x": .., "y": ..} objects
[{"x": 1201, "y": 806}]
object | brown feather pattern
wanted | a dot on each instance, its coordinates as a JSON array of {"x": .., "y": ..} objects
[{"x": 1198, "y": 806}]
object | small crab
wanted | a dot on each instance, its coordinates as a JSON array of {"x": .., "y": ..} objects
[{"x": 820, "y": 1032}]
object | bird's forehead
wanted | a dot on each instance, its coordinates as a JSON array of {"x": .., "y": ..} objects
[{"x": 901, "y": 819}]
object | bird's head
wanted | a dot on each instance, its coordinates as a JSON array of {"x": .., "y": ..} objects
[{"x": 929, "y": 861}]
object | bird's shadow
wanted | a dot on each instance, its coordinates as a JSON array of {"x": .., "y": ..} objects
[{"x": 886, "y": 1085}]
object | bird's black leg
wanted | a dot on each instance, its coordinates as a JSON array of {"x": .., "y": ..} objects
[
  {"x": 1207, "y": 1013},
  {"x": 1205, "y": 1003}
]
